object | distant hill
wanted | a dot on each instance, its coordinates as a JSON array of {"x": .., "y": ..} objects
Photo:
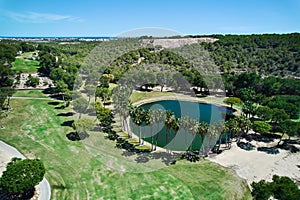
[
  {"x": 176, "y": 42},
  {"x": 267, "y": 54}
]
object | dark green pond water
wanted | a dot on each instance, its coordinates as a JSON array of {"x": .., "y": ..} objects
[{"x": 181, "y": 140}]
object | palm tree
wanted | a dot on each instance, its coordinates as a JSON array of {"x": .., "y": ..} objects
[
  {"x": 124, "y": 113},
  {"x": 137, "y": 116},
  {"x": 149, "y": 121},
  {"x": 168, "y": 124},
  {"x": 211, "y": 138},
  {"x": 171, "y": 122},
  {"x": 159, "y": 116},
  {"x": 175, "y": 126},
  {"x": 122, "y": 104},
  {"x": 146, "y": 119},
  {"x": 233, "y": 127},
  {"x": 202, "y": 131},
  {"x": 222, "y": 129},
  {"x": 184, "y": 123},
  {"x": 193, "y": 128}
]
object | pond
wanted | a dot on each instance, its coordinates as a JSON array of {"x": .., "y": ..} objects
[{"x": 182, "y": 139}]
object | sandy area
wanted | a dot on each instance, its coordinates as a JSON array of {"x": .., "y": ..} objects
[{"x": 255, "y": 166}]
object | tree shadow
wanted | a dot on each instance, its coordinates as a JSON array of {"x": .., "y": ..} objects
[
  {"x": 74, "y": 136},
  {"x": 48, "y": 91},
  {"x": 247, "y": 146},
  {"x": 289, "y": 147},
  {"x": 144, "y": 157},
  {"x": 97, "y": 129},
  {"x": 68, "y": 114},
  {"x": 290, "y": 141},
  {"x": 60, "y": 107},
  {"x": 91, "y": 113},
  {"x": 59, "y": 187},
  {"x": 68, "y": 123},
  {"x": 268, "y": 150},
  {"x": 53, "y": 103},
  {"x": 4, "y": 195},
  {"x": 267, "y": 138},
  {"x": 166, "y": 158}
]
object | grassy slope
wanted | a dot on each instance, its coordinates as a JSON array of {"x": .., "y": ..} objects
[
  {"x": 25, "y": 65},
  {"x": 30, "y": 93},
  {"x": 75, "y": 173}
]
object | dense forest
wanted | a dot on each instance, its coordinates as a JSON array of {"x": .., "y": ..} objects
[
  {"x": 267, "y": 54},
  {"x": 259, "y": 73},
  {"x": 267, "y": 65}
]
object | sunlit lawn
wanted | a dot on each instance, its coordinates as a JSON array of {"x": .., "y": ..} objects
[
  {"x": 25, "y": 65},
  {"x": 92, "y": 168},
  {"x": 29, "y": 93}
]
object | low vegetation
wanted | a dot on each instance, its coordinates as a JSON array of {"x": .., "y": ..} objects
[
  {"x": 21, "y": 176},
  {"x": 97, "y": 162},
  {"x": 282, "y": 188},
  {"x": 77, "y": 170},
  {"x": 25, "y": 65}
]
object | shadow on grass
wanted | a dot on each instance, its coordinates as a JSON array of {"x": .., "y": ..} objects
[
  {"x": 68, "y": 123},
  {"x": 68, "y": 114},
  {"x": 53, "y": 103},
  {"x": 48, "y": 91},
  {"x": 60, "y": 107},
  {"x": 166, "y": 158},
  {"x": 144, "y": 155},
  {"x": 59, "y": 187},
  {"x": 74, "y": 136}
]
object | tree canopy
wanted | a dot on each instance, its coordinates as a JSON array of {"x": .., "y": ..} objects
[{"x": 21, "y": 175}]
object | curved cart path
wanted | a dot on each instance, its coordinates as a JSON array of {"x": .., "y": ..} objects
[{"x": 7, "y": 152}]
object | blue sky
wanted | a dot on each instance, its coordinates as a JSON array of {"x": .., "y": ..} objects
[{"x": 109, "y": 18}]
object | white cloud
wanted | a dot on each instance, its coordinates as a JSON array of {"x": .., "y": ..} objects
[{"x": 34, "y": 17}]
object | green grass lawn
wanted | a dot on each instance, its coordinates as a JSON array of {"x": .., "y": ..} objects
[
  {"x": 94, "y": 168},
  {"x": 29, "y": 93},
  {"x": 26, "y": 54},
  {"x": 25, "y": 65},
  {"x": 138, "y": 96}
]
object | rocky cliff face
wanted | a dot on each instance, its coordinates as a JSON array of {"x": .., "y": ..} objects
[{"x": 176, "y": 42}]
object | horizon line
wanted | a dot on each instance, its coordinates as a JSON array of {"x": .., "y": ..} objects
[{"x": 185, "y": 35}]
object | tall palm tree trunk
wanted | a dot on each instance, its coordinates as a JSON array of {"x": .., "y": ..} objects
[
  {"x": 220, "y": 141},
  {"x": 140, "y": 133},
  {"x": 151, "y": 138}
]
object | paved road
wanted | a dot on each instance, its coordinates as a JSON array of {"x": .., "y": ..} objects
[{"x": 45, "y": 191}]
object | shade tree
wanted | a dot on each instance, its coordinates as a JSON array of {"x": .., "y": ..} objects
[
  {"x": 82, "y": 126},
  {"x": 264, "y": 113},
  {"x": 281, "y": 187},
  {"x": 22, "y": 175},
  {"x": 288, "y": 127},
  {"x": 233, "y": 101},
  {"x": 261, "y": 127},
  {"x": 80, "y": 105}
]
